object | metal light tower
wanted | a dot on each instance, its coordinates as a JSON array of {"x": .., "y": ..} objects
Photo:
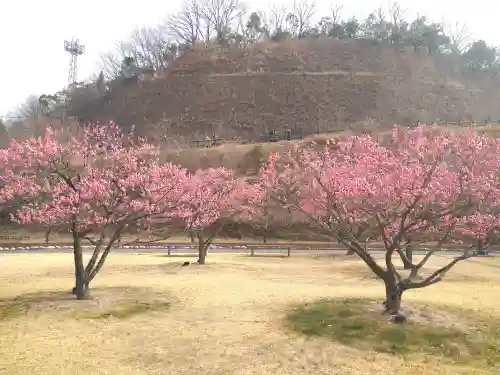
[{"x": 75, "y": 49}]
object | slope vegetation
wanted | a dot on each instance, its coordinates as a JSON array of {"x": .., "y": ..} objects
[{"x": 307, "y": 86}]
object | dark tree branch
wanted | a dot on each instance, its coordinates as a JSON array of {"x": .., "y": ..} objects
[{"x": 437, "y": 275}]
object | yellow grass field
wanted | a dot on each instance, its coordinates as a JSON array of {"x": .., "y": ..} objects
[{"x": 224, "y": 318}]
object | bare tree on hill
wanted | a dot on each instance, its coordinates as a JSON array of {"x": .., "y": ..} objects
[
  {"x": 300, "y": 17},
  {"x": 221, "y": 15},
  {"x": 189, "y": 26},
  {"x": 276, "y": 23},
  {"x": 460, "y": 38},
  {"x": 398, "y": 25},
  {"x": 110, "y": 63},
  {"x": 336, "y": 11},
  {"x": 150, "y": 48},
  {"x": 376, "y": 26},
  {"x": 330, "y": 25}
]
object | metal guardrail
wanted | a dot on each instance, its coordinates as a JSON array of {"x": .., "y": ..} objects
[
  {"x": 238, "y": 247},
  {"x": 172, "y": 245}
]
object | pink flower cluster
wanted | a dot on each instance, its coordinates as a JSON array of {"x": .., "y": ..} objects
[
  {"x": 419, "y": 181},
  {"x": 104, "y": 178}
]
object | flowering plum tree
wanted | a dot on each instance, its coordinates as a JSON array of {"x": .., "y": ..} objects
[
  {"x": 96, "y": 187},
  {"x": 422, "y": 183},
  {"x": 481, "y": 229},
  {"x": 260, "y": 209},
  {"x": 215, "y": 195}
]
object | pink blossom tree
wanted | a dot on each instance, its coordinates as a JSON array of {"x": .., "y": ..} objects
[
  {"x": 419, "y": 184},
  {"x": 262, "y": 211},
  {"x": 96, "y": 186},
  {"x": 215, "y": 195},
  {"x": 481, "y": 229},
  {"x": 259, "y": 210},
  {"x": 16, "y": 189}
]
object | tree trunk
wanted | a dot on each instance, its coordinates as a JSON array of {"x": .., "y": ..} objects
[
  {"x": 409, "y": 254},
  {"x": 414, "y": 272},
  {"x": 264, "y": 235},
  {"x": 93, "y": 272},
  {"x": 350, "y": 251},
  {"x": 393, "y": 294},
  {"x": 93, "y": 259},
  {"x": 480, "y": 249},
  {"x": 47, "y": 236},
  {"x": 81, "y": 289},
  {"x": 202, "y": 251}
]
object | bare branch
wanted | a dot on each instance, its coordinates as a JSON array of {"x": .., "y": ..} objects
[
  {"x": 138, "y": 241},
  {"x": 439, "y": 274},
  {"x": 277, "y": 23},
  {"x": 97, "y": 250},
  {"x": 188, "y": 26},
  {"x": 436, "y": 248},
  {"x": 220, "y": 15},
  {"x": 91, "y": 240},
  {"x": 303, "y": 10},
  {"x": 460, "y": 38},
  {"x": 149, "y": 48},
  {"x": 380, "y": 13},
  {"x": 350, "y": 241},
  {"x": 110, "y": 63},
  {"x": 336, "y": 11},
  {"x": 396, "y": 13}
]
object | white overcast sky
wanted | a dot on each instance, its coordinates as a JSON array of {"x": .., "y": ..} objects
[{"x": 32, "y": 32}]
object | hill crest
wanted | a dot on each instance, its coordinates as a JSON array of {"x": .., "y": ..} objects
[{"x": 307, "y": 86}]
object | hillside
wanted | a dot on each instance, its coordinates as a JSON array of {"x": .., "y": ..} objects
[
  {"x": 246, "y": 159},
  {"x": 307, "y": 86}
]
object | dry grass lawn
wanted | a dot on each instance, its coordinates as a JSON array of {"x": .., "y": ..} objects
[
  {"x": 152, "y": 316},
  {"x": 235, "y": 156}
]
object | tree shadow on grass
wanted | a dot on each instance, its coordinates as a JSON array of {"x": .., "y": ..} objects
[
  {"x": 20, "y": 305},
  {"x": 118, "y": 302},
  {"x": 338, "y": 256},
  {"x": 130, "y": 310},
  {"x": 187, "y": 255},
  {"x": 459, "y": 336},
  {"x": 264, "y": 256}
]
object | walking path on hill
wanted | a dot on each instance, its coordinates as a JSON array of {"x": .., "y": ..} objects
[{"x": 296, "y": 73}]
